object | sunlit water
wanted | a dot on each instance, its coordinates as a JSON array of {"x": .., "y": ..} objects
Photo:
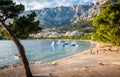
[{"x": 39, "y": 50}]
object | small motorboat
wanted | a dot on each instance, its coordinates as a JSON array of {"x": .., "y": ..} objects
[
  {"x": 74, "y": 44},
  {"x": 66, "y": 43}
]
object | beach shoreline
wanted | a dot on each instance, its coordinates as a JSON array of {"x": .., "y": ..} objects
[
  {"x": 38, "y": 62},
  {"x": 102, "y": 63}
]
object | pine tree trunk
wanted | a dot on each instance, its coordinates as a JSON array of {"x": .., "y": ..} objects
[{"x": 20, "y": 49}]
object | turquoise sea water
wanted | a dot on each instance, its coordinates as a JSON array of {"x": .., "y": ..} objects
[{"x": 39, "y": 50}]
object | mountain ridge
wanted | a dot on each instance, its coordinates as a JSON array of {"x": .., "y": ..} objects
[{"x": 59, "y": 16}]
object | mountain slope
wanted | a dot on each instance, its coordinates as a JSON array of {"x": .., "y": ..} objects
[{"x": 59, "y": 16}]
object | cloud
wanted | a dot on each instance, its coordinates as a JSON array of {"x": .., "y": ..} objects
[
  {"x": 87, "y": 1},
  {"x": 39, "y": 4}
]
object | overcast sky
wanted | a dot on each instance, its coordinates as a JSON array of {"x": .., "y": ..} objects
[{"x": 39, "y": 4}]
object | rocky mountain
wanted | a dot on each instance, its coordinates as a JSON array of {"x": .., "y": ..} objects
[{"x": 59, "y": 16}]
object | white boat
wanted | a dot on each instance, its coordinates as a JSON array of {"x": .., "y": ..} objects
[
  {"x": 53, "y": 43},
  {"x": 63, "y": 43},
  {"x": 59, "y": 42}
]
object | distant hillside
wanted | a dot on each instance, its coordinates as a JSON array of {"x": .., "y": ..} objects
[
  {"x": 81, "y": 26},
  {"x": 59, "y": 16}
]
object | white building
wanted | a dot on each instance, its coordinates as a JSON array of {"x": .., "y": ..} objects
[
  {"x": 75, "y": 33},
  {"x": 67, "y": 33}
]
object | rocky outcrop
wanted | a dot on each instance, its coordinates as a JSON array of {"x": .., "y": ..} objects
[{"x": 59, "y": 16}]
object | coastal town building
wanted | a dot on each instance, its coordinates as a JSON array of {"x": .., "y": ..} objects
[{"x": 52, "y": 34}]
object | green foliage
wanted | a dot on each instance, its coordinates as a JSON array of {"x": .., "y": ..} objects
[
  {"x": 25, "y": 25},
  {"x": 108, "y": 24},
  {"x": 86, "y": 37},
  {"x": 110, "y": 15},
  {"x": 84, "y": 26},
  {"x": 82, "y": 37},
  {"x": 4, "y": 34},
  {"x": 9, "y": 9}
]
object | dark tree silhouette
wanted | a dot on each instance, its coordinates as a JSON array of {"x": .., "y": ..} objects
[
  {"x": 25, "y": 25},
  {"x": 8, "y": 9}
]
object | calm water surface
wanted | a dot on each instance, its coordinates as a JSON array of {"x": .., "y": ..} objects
[{"x": 39, "y": 50}]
